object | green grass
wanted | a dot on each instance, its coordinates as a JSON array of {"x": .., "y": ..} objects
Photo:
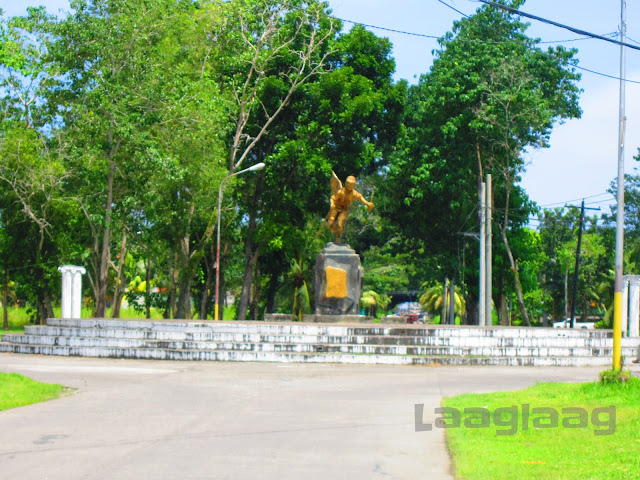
[
  {"x": 17, "y": 391},
  {"x": 551, "y": 453}
]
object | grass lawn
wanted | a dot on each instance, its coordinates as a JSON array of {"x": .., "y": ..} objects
[
  {"x": 17, "y": 391},
  {"x": 576, "y": 449}
]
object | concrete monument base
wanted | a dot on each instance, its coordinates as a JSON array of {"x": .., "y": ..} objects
[{"x": 337, "y": 282}]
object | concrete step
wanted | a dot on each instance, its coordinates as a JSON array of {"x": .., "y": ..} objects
[
  {"x": 289, "y": 357},
  {"x": 328, "y": 329},
  {"x": 411, "y": 339},
  {"x": 310, "y": 342},
  {"x": 293, "y": 344}
]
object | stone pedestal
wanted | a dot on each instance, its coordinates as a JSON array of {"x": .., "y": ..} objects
[
  {"x": 337, "y": 282},
  {"x": 71, "y": 290}
]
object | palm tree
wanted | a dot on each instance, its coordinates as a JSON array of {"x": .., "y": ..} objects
[
  {"x": 372, "y": 300},
  {"x": 301, "y": 302},
  {"x": 433, "y": 296}
]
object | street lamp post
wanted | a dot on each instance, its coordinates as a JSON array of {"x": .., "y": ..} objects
[{"x": 256, "y": 167}]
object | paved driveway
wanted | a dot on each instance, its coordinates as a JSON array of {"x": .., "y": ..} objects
[{"x": 131, "y": 419}]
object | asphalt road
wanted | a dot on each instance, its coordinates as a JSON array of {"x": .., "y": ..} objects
[{"x": 134, "y": 419}]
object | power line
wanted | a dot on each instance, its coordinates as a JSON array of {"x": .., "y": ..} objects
[
  {"x": 434, "y": 37},
  {"x": 452, "y": 8},
  {"x": 576, "y": 200},
  {"x": 388, "y": 29},
  {"x": 612, "y": 34},
  {"x": 605, "y": 75},
  {"x": 556, "y": 24}
]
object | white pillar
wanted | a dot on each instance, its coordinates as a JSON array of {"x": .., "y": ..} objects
[
  {"x": 634, "y": 305},
  {"x": 71, "y": 290},
  {"x": 625, "y": 306}
]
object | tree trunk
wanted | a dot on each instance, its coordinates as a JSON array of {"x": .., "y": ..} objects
[
  {"x": 5, "y": 302},
  {"x": 48, "y": 306},
  {"x": 516, "y": 277},
  {"x": 147, "y": 292},
  {"x": 271, "y": 293},
  {"x": 472, "y": 310},
  {"x": 503, "y": 314},
  {"x": 105, "y": 254},
  {"x": 184, "y": 297},
  {"x": 452, "y": 303},
  {"x": 251, "y": 252},
  {"x": 255, "y": 295},
  {"x": 188, "y": 263},
  {"x": 204, "y": 301},
  {"x": 117, "y": 291},
  {"x": 170, "y": 310},
  {"x": 45, "y": 308},
  {"x": 251, "y": 257}
]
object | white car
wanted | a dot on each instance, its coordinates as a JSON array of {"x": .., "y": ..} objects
[{"x": 566, "y": 323}]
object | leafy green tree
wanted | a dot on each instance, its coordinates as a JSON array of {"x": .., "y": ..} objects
[
  {"x": 140, "y": 126},
  {"x": 490, "y": 94},
  {"x": 34, "y": 212},
  {"x": 558, "y": 229},
  {"x": 433, "y": 299},
  {"x": 371, "y": 301},
  {"x": 335, "y": 121}
]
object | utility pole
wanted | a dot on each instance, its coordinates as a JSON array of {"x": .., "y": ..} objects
[
  {"x": 483, "y": 258},
  {"x": 488, "y": 254},
  {"x": 575, "y": 272},
  {"x": 617, "y": 291}
]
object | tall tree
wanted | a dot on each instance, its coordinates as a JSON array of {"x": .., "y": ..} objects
[
  {"x": 491, "y": 93},
  {"x": 140, "y": 128},
  {"x": 33, "y": 209},
  {"x": 344, "y": 120},
  {"x": 275, "y": 47}
]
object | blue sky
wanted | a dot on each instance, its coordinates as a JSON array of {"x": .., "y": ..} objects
[{"x": 582, "y": 159}]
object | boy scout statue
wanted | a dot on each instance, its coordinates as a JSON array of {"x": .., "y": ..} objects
[{"x": 341, "y": 200}]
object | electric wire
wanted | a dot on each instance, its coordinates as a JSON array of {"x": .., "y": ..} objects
[
  {"x": 454, "y": 9},
  {"x": 434, "y": 37},
  {"x": 577, "y": 199},
  {"x": 556, "y": 24},
  {"x": 385, "y": 29},
  {"x": 606, "y": 75}
]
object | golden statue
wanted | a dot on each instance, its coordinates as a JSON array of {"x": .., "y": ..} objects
[{"x": 341, "y": 201}]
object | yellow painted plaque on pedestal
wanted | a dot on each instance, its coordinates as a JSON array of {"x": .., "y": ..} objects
[{"x": 336, "y": 282}]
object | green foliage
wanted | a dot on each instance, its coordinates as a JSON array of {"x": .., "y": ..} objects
[
  {"x": 432, "y": 298},
  {"x": 615, "y": 377},
  {"x": 121, "y": 119},
  {"x": 490, "y": 94},
  {"x": 371, "y": 301}
]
